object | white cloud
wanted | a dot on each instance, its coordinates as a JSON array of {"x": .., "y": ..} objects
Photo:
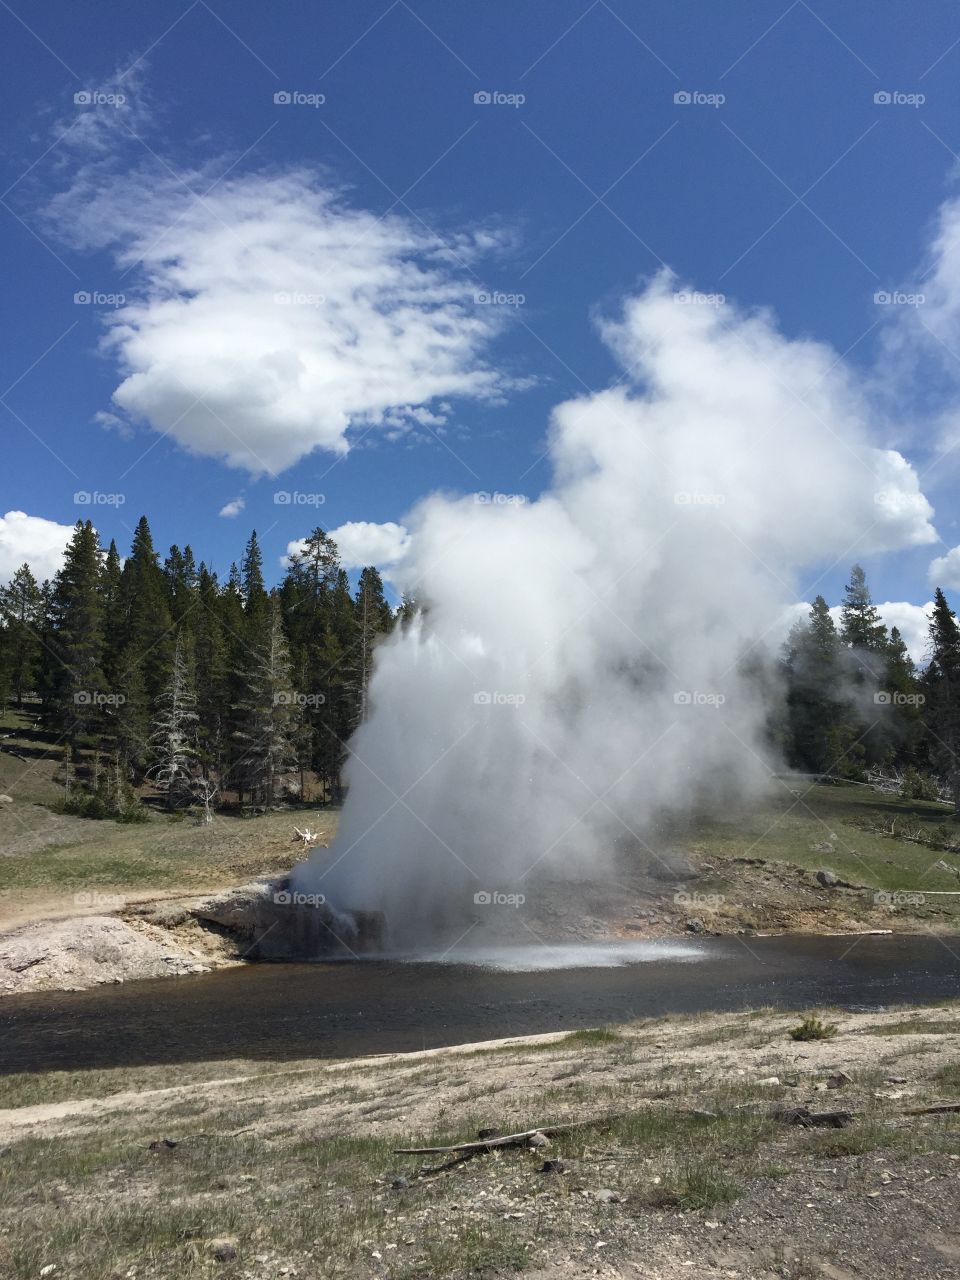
[
  {"x": 33, "y": 539},
  {"x": 232, "y": 508},
  {"x": 944, "y": 571},
  {"x": 912, "y": 621},
  {"x": 271, "y": 318},
  {"x": 364, "y": 542}
]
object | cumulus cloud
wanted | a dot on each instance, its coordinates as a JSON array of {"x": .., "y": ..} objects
[
  {"x": 33, "y": 539},
  {"x": 269, "y": 318},
  {"x": 913, "y": 623},
  {"x": 362, "y": 542},
  {"x": 575, "y": 680},
  {"x": 944, "y": 571},
  {"x": 232, "y": 508}
]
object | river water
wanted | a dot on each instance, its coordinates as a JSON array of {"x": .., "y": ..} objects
[{"x": 393, "y": 1004}]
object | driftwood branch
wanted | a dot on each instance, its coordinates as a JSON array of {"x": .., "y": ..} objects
[
  {"x": 812, "y": 1119},
  {"x": 938, "y": 1109},
  {"x": 504, "y": 1139}
]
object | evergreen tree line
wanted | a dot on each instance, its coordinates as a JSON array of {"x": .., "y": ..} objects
[
  {"x": 855, "y": 701},
  {"x": 157, "y": 672},
  {"x": 214, "y": 692}
]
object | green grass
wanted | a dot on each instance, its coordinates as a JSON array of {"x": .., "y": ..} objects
[
  {"x": 916, "y": 1026},
  {"x": 694, "y": 1186},
  {"x": 787, "y": 830},
  {"x": 66, "y": 854},
  {"x": 859, "y": 1138},
  {"x": 591, "y": 1036}
]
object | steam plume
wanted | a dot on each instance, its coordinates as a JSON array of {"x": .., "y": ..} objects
[{"x": 575, "y": 678}]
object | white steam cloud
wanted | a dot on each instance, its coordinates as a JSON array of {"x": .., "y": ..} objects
[{"x": 575, "y": 678}]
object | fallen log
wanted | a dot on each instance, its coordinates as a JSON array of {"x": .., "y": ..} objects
[
  {"x": 813, "y": 1119},
  {"x": 938, "y": 1109},
  {"x": 505, "y": 1139}
]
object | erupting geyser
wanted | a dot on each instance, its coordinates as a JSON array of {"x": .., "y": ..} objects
[{"x": 577, "y": 673}]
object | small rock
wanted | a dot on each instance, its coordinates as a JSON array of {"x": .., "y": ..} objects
[
  {"x": 552, "y": 1166},
  {"x": 51, "y": 1266},
  {"x": 838, "y": 1080},
  {"x": 9, "y": 800},
  {"x": 607, "y": 1196},
  {"x": 827, "y": 878},
  {"x": 400, "y": 1183},
  {"x": 769, "y": 1080},
  {"x": 224, "y": 1249},
  {"x": 696, "y": 925},
  {"x": 823, "y": 847},
  {"x": 895, "y": 1080}
]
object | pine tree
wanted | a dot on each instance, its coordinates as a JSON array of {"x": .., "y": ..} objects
[
  {"x": 942, "y": 689},
  {"x": 904, "y": 725},
  {"x": 173, "y": 740},
  {"x": 267, "y": 712},
  {"x": 822, "y": 735},
  {"x": 146, "y": 635},
  {"x": 21, "y": 609},
  {"x": 212, "y": 670},
  {"x": 861, "y": 626},
  {"x": 77, "y": 609},
  {"x": 374, "y": 618},
  {"x": 318, "y": 611},
  {"x": 180, "y": 576},
  {"x": 252, "y": 587}
]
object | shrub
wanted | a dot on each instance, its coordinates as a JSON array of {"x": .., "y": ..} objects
[{"x": 813, "y": 1028}]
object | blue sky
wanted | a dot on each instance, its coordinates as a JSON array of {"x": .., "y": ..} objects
[{"x": 798, "y": 192}]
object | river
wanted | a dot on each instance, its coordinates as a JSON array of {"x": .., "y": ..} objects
[{"x": 345, "y": 1009}]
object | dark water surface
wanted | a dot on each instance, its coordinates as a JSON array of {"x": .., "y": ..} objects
[{"x": 284, "y": 1011}]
